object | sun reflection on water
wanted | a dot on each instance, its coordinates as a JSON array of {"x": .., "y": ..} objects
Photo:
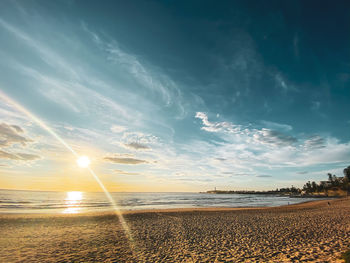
[{"x": 72, "y": 202}]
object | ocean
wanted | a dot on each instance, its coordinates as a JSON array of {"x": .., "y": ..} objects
[{"x": 13, "y": 201}]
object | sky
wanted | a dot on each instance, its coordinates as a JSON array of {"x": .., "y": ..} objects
[{"x": 174, "y": 95}]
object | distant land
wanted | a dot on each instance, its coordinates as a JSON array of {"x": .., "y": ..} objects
[{"x": 334, "y": 187}]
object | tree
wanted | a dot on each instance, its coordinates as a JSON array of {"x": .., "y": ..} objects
[
  {"x": 330, "y": 177},
  {"x": 322, "y": 186},
  {"x": 347, "y": 172},
  {"x": 293, "y": 189},
  {"x": 313, "y": 186},
  {"x": 307, "y": 187},
  {"x": 333, "y": 179}
]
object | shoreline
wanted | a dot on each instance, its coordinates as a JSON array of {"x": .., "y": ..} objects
[{"x": 303, "y": 204}]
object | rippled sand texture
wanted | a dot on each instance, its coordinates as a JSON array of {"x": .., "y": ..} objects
[{"x": 311, "y": 232}]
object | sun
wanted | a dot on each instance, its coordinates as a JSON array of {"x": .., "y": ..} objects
[{"x": 83, "y": 161}]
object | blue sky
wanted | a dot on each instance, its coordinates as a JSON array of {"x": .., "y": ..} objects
[{"x": 174, "y": 95}]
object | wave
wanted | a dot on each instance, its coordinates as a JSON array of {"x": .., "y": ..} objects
[{"x": 57, "y": 202}]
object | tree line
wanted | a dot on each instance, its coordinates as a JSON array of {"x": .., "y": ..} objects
[{"x": 334, "y": 183}]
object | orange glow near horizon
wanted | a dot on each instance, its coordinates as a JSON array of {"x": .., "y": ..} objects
[{"x": 83, "y": 161}]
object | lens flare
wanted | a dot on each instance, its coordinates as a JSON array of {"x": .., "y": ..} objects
[{"x": 85, "y": 163}]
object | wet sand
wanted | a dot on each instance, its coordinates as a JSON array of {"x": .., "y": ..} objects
[{"x": 309, "y": 232}]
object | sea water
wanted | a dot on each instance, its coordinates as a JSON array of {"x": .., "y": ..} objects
[{"x": 13, "y": 201}]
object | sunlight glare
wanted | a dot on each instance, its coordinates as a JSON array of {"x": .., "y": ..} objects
[
  {"x": 74, "y": 196},
  {"x": 72, "y": 202},
  {"x": 83, "y": 161}
]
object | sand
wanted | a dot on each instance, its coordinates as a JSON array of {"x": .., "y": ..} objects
[{"x": 310, "y": 232}]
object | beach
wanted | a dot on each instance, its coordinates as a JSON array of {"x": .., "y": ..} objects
[{"x": 309, "y": 232}]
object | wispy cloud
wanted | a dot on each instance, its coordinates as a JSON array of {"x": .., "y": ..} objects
[
  {"x": 302, "y": 172},
  {"x": 10, "y": 134},
  {"x": 11, "y": 137},
  {"x": 121, "y": 172},
  {"x": 277, "y": 138},
  {"x": 283, "y": 85},
  {"x": 118, "y": 128},
  {"x": 18, "y": 156},
  {"x": 59, "y": 91},
  {"x": 277, "y": 126},
  {"x": 137, "y": 146},
  {"x": 145, "y": 74},
  {"x": 124, "y": 160},
  {"x": 280, "y": 81},
  {"x": 139, "y": 139},
  {"x": 315, "y": 142},
  {"x": 72, "y": 85},
  {"x": 270, "y": 148},
  {"x": 216, "y": 126},
  {"x": 264, "y": 135},
  {"x": 75, "y": 95},
  {"x": 47, "y": 55}
]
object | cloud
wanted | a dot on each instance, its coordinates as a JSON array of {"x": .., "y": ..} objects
[
  {"x": 72, "y": 86},
  {"x": 276, "y": 126},
  {"x": 274, "y": 137},
  {"x": 139, "y": 72},
  {"x": 280, "y": 81},
  {"x": 9, "y": 134},
  {"x": 118, "y": 128},
  {"x": 216, "y": 126},
  {"x": 148, "y": 76},
  {"x": 302, "y": 172},
  {"x": 265, "y": 136},
  {"x": 203, "y": 117},
  {"x": 315, "y": 142},
  {"x": 235, "y": 174},
  {"x": 137, "y": 146},
  {"x": 121, "y": 172},
  {"x": 17, "y": 128},
  {"x": 246, "y": 151},
  {"x": 192, "y": 180},
  {"x": 333, "y": 152},
  {"x": 124, "y": 160},
  {"x": 18, "y": 156},
  {"x": 139, "y": 138},
  {"x": 248, "y": 135},
  {"x": 61, "y": 92},
  {"x": 264, "y": 176},
  {"x": 47, "y": 55},
  {"x": 77, "y": 95}
]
